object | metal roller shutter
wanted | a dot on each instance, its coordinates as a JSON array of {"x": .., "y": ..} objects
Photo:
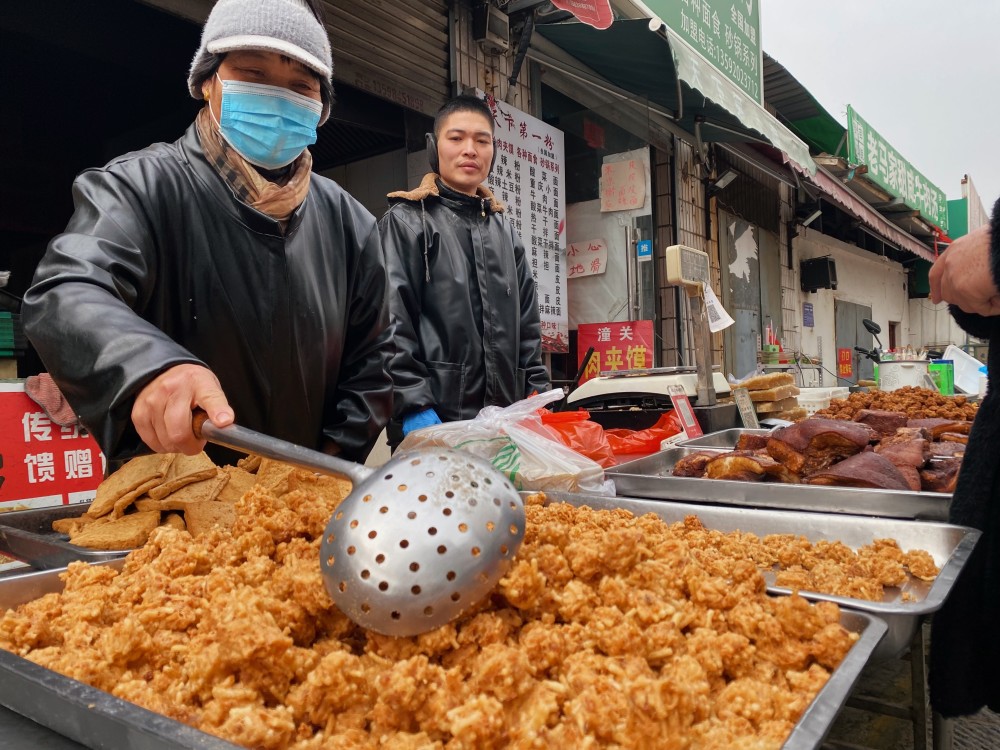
[{"x": 396, "y": 49}]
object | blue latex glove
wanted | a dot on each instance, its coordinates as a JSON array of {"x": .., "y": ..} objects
[{"x": 424, "y": 418}]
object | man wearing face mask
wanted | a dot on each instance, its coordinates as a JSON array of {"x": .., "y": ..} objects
[
  {"x": 464, "y": 305},
  {"x": 217, "y": 272}
]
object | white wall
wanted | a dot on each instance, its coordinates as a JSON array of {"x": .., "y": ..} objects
[
  {"x": 933, "y": 325},
  {"x": 369, "y": 180},
  {"x": 862, "y": 278}
]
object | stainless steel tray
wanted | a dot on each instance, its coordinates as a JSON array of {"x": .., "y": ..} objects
[
  {"x": 949, "y": 545},
  {"x": 99, "y": 720},
  {"x": 721, "y": 439},
  {"x": 651, "y": 477},
  {"x": 85, "y": 714},
  {"x": 27, "y": 535}
]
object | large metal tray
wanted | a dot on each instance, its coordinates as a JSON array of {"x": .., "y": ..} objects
[
  {"x": 949, "y": 545},
  {"x": 27, "y": 535},
  {"x": 721, "y": 439},
  {"x": 99, "y": 720},
  {"x": 652, "y": 477}
]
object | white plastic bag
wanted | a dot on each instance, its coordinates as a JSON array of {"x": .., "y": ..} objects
[{"x": 519, "y": 446}]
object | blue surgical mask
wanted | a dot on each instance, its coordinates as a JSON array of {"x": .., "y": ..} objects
[{"x": 269, "y": 126}]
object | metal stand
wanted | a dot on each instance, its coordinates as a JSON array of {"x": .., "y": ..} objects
[{"x": 917, "y": 711}]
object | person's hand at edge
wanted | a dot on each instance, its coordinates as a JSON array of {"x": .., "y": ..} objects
[
  {"x": 963, "y": 275},
  {"x": 162, "y": 413},
  {"x": 420, "y": 419}
]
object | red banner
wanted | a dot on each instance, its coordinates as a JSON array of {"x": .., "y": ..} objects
[
  {"x": 845, "y": 363},
  {"x": 596, "y": 13},
  {"x": 626, "y": 345},
  {"x": 41, "y": 463}
]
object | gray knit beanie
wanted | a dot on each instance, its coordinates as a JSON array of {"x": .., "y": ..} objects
[{"x": 287, "y": 27}]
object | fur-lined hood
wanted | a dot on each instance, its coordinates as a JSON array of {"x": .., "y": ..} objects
[{"x": 428, "y": 187}]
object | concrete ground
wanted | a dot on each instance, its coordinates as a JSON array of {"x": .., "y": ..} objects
[{"x": 889, "y": 680}]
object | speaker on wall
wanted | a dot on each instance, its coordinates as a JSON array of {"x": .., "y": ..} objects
[{"x": 818, "y": 273}]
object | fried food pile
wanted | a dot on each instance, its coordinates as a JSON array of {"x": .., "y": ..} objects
[
  {"x": 172, "y": 489},
  {"x": 608, "y": 631},
  {"x": 824, "y": 566},
  {"x": 916, "y": 403},
  {"x": 876, "y": 450}
]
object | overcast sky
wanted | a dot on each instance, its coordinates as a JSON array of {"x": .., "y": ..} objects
[{"x": 925, "y": 74}]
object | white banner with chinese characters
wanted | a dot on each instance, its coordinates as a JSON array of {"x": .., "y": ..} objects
[
  {"x": 528, "y": 179},
  {"x": 586, "y": 258},
  {"x": 41, "y": 463}
]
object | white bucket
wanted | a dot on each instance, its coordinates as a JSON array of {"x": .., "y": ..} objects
[{"x": 898, "y": 373}]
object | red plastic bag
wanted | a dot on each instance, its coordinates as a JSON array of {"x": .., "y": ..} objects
[
  {"x": 575, "y": 430},
  {"x": 624, "y": 441}
]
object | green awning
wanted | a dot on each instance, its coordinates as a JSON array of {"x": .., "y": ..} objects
[{"x": 650, "y": 62}]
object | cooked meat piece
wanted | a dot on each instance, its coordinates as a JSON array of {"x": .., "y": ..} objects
[
  {"x": 751, "y": 442},
  {"x": 907, "y": 447},
  {"x": 912, "y": 476},
  {"x": 936, "y": 427},
  {"x": 867, "y": 469},
  {"x": 953, "y": 437},
  {"x": 693, "y": 465},
  {"x": 749, "y": 466},
  {"x": 946, "y": 450},
  {"x": 883, "y": 422},
  {"x": 814, "y": 444},
  {"x": 941, "y": 476},
  {"x": 743, "y": 467}
]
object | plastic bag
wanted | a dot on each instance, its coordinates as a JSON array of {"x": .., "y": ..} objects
[
  {"x": 519, "y": 446},
  {"x": 576, "y": 430},
  {"x": 644, "y": 441}
]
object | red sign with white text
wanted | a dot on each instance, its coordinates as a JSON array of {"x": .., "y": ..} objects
[
  {"x": 41, "y": 463},
  {"x": 845, "y": 363},
  {"x": 596, "y": 13},
  {"x": 626, "y": 345}
]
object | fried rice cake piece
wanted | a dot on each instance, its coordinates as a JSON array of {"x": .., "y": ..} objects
[
  {"x": 128, "y": 532},
  {"x": 184, "y": 470},
  {"x": 136, "y": 473}
]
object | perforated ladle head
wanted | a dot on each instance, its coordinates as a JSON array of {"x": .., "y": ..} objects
[
  {"x": 428, "y": 535},
  {"x": 417, "y": 542}
]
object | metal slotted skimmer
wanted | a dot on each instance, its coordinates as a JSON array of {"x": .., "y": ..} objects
[
  {"x": 424, "y": 539},
  {"x": 417, "y": 542}
]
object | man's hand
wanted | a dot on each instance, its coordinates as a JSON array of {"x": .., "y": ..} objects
[
  {"x": 963, "y": 276},
  {"x": 162, "y": 410}
]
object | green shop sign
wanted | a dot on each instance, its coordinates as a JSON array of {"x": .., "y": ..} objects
[
  {"x": 725, "y": 33},
  {"x": 892, "y": 172}
]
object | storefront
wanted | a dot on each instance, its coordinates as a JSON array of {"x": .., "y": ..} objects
[{"x": 90, "y": 81}]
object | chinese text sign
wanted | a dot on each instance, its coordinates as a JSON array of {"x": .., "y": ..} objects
[
  {"x": 845, "y": 363},
  {"x": 41, "y": 463},
  {"x": 725, "y": 33},
  {"x": 891, "y": 171},
  {"x": 528, "y": 180},
  {"x": 626, "y": 345},
  {"x": 586, "y": 258},
  {"x": 623, "y": 185}
]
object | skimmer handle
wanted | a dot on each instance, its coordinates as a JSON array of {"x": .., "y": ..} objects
[{"x": 245, "y": 439}]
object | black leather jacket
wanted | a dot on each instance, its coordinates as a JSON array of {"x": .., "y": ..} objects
[
  {"x": 161, "y": 265},
  {"x": 463, "y": 304}
]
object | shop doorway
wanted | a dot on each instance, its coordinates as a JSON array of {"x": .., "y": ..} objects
[
  {"x": 850, "y": 332},
  {"x": 751, "y": 288}
]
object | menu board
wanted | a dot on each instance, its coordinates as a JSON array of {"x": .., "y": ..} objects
[{"x": 528, "y": 179}]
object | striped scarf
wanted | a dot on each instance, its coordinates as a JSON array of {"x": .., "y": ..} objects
[{"x": 277, "y": 200}]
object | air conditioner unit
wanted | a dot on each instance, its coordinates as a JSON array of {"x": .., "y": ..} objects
[{"x": 491, "y": 28}]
